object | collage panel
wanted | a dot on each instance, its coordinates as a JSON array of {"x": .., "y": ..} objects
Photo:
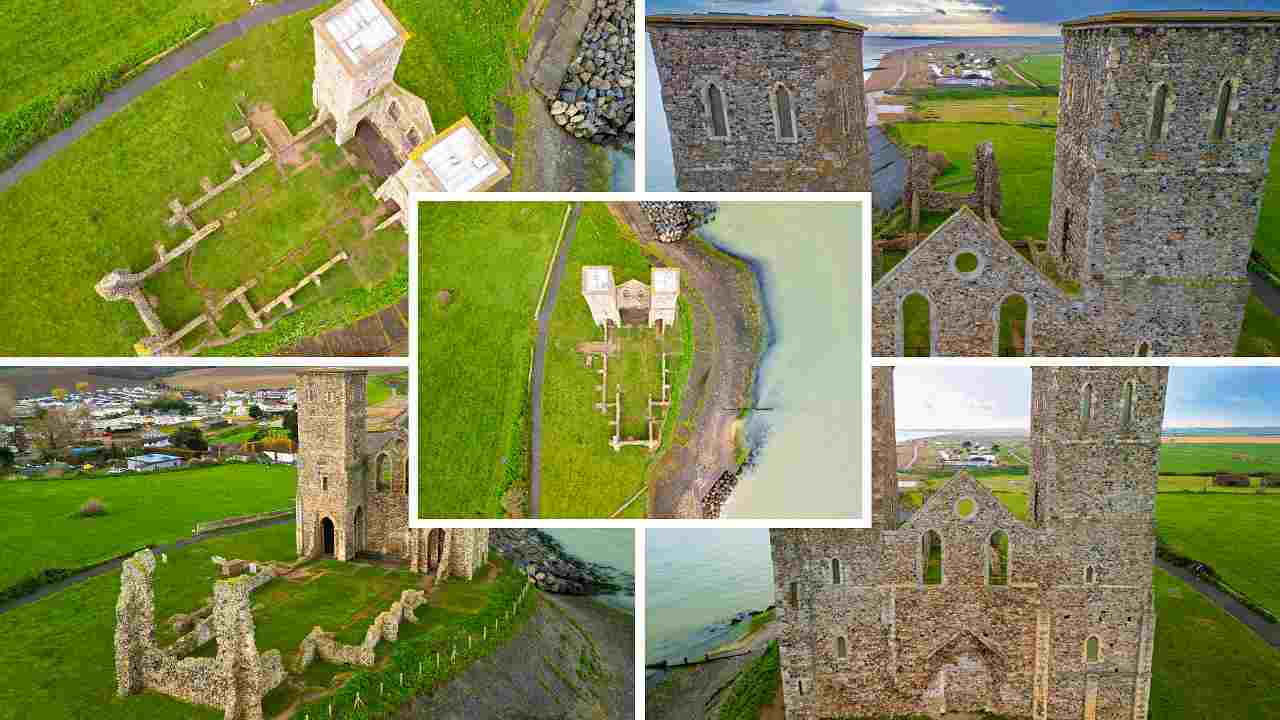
[
  {"x": 659, "y": 359},
  {"x": 235, "y": 542},
  {"x": 1047, "y": 542}
]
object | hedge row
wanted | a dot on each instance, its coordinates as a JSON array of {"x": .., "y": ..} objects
[
  {"x": 419, "y": 665},
  {"x": 56, "y": 110}
]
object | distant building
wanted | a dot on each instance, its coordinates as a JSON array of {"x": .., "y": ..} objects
[{"x": 154, "y": 461}]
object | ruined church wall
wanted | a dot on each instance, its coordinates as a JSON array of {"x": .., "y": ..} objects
[
  {"x": 822, "y": 70},
  {"x": 388, "y": 509}
]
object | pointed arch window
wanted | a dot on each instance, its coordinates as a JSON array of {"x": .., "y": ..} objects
[
  {"x": 842, "y": 649},
  {"x": 1066, "y": 232},
  {"x": 998, "y": 558},
  {"x": 1086, "y": 406},
  {"x": 1090, "y": 575},
  {"x": 719, "y": 113},
  {"x": 1126, "y": 405},
  {"x": 835, "y": 571},
  {"x": 794, "y": 593},
  {"x": 931, "y": 557},
  {"x": 1155, "y": 132},
  {"x": 1092, "y": 649},
  {"x": 1222, "y": 117},
  {"x": 784, "y": 113}
]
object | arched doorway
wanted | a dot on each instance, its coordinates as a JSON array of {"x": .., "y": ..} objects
[
  {"x": 435, "y": 549},
  {"x": 359, "y": 532},
  {"x": 326, "y": 534},
  {"x": 961, "y": 676}
]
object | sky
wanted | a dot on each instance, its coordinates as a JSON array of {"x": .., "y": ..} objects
[
  {"x": 949, "y": 17},
  {"x": 996, "y": 398}
]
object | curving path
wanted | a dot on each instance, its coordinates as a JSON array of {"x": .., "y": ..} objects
[
  {"x": 110, "y": 565},
  {"x": 1266, "y": 292},
  {"x": 539, "y": 363},
  {"x": 162, "y": 70},
  {"x": 1268, "y": 631}
]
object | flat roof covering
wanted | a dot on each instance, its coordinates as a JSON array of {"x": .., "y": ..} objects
[
  {"x": 791, "y": 21},
  {"x": 359, "y": 30},
  {"x": 666, "y": 279},
  {"x": 1175, "y": 17},
  {"x": 460, "y": 159}
]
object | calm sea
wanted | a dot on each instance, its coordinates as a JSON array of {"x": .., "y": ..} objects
[
  {"x": 614, "y": 547},
  {"x": 807, "y": 446},
  {"x": 1265, "y": 431},
  {"x": 697, "y": 580}
]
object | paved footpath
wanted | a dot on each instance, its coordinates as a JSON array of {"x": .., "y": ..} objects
[
  {"x": 1270, "y": 632},
  {"x": 539, "y": 364},
  {"x": 1266, "y": 292},
  {"x": 111, "y": 565},
  {"x": 162, "y": 70}
]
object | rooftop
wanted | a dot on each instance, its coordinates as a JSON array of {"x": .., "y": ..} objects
[
  {"x": 1175, "y": 17},
  {"x": 666, "y": 279},
  {"x": 151, "y": 458},
  {"x": 789, "y": 21},
  {"x": 459, "y": 160},
  {"x": 359, "y": 29},
  {"x": 597, "y": 278}
]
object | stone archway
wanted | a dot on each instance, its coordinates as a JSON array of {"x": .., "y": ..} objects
[
  {"x": 328, "y": 542},
  {"x": 435, "y": 549},
  {"x": 963, "y": 675}
]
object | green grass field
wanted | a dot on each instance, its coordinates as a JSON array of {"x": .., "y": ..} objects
[
  {"x": 1267, "y": 242},
  {"x": 1185, "y": 458},
  {"x": 1012, "y": 110},
  {"x": 1206, "y": 663},
  {"x": 1234, "y": 533},
  {"x": 380, "y": 388},
  {"x": 581, "y": 475},
  {"x": 68, "y": 232},
  {"x": 1044, "y": 69},
  {"x": 61, "y": 656},
  {"x": 475, "y": 351},
  {"x": 42, "y": 529}
]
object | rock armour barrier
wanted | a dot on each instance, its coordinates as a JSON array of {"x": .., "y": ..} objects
[
  {"x": 597, "y": 100},
  {"x": 672, "y": 221},
  {"x": 552, "y": 569}
]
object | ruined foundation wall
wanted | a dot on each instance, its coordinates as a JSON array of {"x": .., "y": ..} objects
[{"x": 820, "y": 67}]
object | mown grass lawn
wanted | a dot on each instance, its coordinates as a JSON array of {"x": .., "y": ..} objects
[
  {"x": 1185, "y": 458},
  {"x": 41, "y": 528},
  {"x": 475, "y": 350},
  {"x": 1267, "y": 242},
  {"x": 1044, "y": 69},
  {"x": 1234, "y": 533},
  {"x": 1006, "y": 109},
  {"x": 582, "y": 476},
  {"x": 1206, "y": 663},
  {"x": 100, "y": 204},
  {"x": 52, "y": 42}
]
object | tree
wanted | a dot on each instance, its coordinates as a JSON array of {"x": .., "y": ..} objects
[
  {"x": 960, "y": 56},
  {"x": 6, "y": 457},
  {"x": 995, "y": 447},
  {"x": 59, "y": 393},
  {"x": 966, "y": 444},
  {"x": 82, "y": 387},
  {"x": 190, "y": 438},
  {"x": 255, "y": 412},
  {"x": 993, "y": 62},
  {"x": 291, "y": 423},
  {"x": 56, "y": 428}
]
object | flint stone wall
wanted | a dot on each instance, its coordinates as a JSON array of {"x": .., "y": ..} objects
[
  {"x": 964, "y": 308},
  {"x": 918, "y": 192},
  {"x": 597, "y": 98},
  {"x": 1159, "y": 225},
  {"x": 821, "y": 68},
  {"x": 386, "y": 626}
]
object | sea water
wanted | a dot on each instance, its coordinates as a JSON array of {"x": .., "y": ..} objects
[
  {"x": 614, "y": 547},
  {"x": 807, "y": 445}
]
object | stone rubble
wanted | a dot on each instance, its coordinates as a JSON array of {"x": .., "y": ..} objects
[
  {"x": 674, "y": 220},
  {"x": 597, "y": 99}
]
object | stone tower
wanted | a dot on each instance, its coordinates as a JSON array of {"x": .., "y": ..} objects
[
  {"x": 763, "y": 102},
  {"x": 884, "y": 451},
  {"x": 1164, "y": 129},
  {"x": 600, "y": 293},
  {"x": 665, "y": 295},
  {"x": 332, "y": 411},
  {"x": 358, "y": 45}
]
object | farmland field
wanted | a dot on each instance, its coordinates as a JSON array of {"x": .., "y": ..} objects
[
  {"x": 492, "y": 259},
  {"x": 1184, "y": 458},
  {"x": 1044, "y": 69},
  {"x": 43, "y": 530}
]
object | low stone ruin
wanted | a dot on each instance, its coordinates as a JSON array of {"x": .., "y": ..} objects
[
  {"x": 597, "y": 99},
  {"x": 1231, "y": 480},
  {"x": 323, "y": 645},
  {"x": 235, "y": 680},
  {"x": 923, "y": 167},
  {"x": 672, "y": 221}
]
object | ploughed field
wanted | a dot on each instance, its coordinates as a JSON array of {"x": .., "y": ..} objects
[{"x": 43, "y": 530}]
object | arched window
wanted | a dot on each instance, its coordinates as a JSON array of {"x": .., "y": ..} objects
[
  {"x": 1224, "y": 110},
  {"x": 383, "y": 472},
  {"x": 998, "y": 558},
  {"x": 794, "y": 593},
  {"x": 1090, "y": 576},
  {"x": 917, "y": 326},
  {"x": 1158, "y": 99},
  {"x": 1012, "y": 327},
  {"x": 415, "y": 139},
  {"x": 842, "y": 650},
  {"x": 1144, "y": 349},
  {"x": 1086, "y": 406},
  {"x": 1066, "y": 232},
  {"x": 835, "y": 571},
  {"x": 931, "y": 557},
  {"x": 800, "y": 685},
  {"x": 393, "y": 110},
  {"x": 1126, "y": 405},
  {"x": 784, "y": 113},
  {"x": 1092, "y": 651},
  {"x": 719, "y": 115},
  {"x": 324, "y": 482}
]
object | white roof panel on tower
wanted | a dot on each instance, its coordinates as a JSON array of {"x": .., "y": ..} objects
[
  {"x": 360, "y": 30},
  {"x": 597, "y": 278},
  {"x": 666, "y": 279}
]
